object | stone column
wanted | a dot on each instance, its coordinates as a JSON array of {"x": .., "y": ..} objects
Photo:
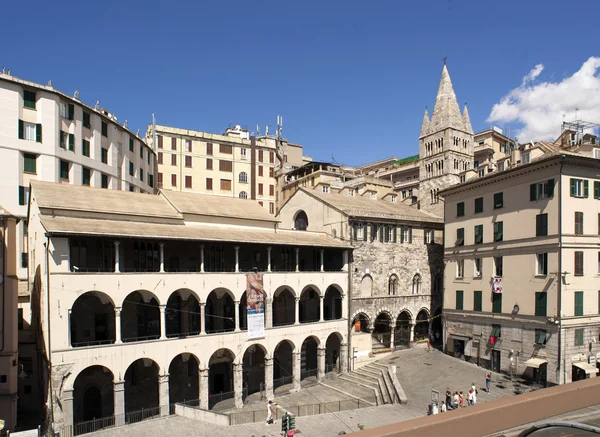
[
  {"x": 320, "y": 364},
  {"x": 237, "y": 259},
  {"x": 297, "y": 259},
  {"x": 117, "y": 257},
  {"x": 162, "y": 257},
  {"x": 237, "y": 314},
  {"x": 344, "y": 307},
  {"x": 163, "y": 322},
  {"x": 343, "y": 357},
  {"x": 321, "y": 308},
  {"x": 297, "y": 369},
  {"x": 321, "y": 252},
  {"x": 202, "y": 258},
  {"x": 345, "y": 260},
  {"x": 202, "y": 318},
  {"x": 67, "y": 407},
  {"x": 119, "y": 402},
  {"x": 163, "y": 394},
  {"x": 238, "y": 386},
  {"x": 297, "y": 311},
  {"x": 69, "y": 327},
  {"x": 412, "y": 332},
  {"x": 269, "y": 259},
  {"x": 269, "y": 378},
  {"x": 118, "y": 325},
  {"x": 392, "y": 338},
  {"x": 203, "y": 388},
  {"x": 268, "y": 313}
]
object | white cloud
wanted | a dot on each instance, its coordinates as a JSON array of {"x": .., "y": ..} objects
[{"x": 538, "y": 108}]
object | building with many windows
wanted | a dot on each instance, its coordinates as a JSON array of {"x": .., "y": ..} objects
[
  {"x": 145, "y": 301},
  {"x": 522, "y": 266}
]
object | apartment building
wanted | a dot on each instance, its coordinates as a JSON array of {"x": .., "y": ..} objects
[
  {"x": 522, "y": 264},
  {"x": 234, "y": 164},
  {"x": 147, "y": 301}
]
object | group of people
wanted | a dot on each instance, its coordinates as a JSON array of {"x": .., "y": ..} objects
[{"x": 458, "y": 399}]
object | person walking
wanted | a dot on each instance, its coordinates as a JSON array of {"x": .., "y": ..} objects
[
  {"x": 456, "y": 400},
  {"x": 449, "y": 399},
  {"x": 488, "y": 382},
  {"x": 443, "y": 408},
  {"x": 461, "y": 400},
  {"x": 269, "y": 412},
  {"x": 474, "y": 396},
  {"x": 470, "y": 398}
]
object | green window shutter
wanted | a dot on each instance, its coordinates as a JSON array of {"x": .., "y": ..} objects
[
  {"x": 579, "y": 303},
  {"x": 21, "y": 130},
  {"x": 38, "y": 132},
  {"x": 550, "y": 187},
  {"x": 460, "y": 209},
  {"x": 71, "y": 111},
  {"x": 572, "y": 187},
  {"x": 477, "y": 301},
  {"x": 596, "y": 189},
  {"x": 586, "y": 188},
  {"x": 72, "y": 142},
  {"x": 459, "y": 299},
  {"x": 497, "y": 303},
  {"x": 541, "y": 303},
  {"x": 579, "y": 337},
  {"x": 21, "y": 195},
  {"x": 395, "y": 233},
  {"x": 533, "y": 192}
]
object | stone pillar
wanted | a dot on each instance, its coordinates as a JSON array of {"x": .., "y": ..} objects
[
  {"x": 392, "y": 337},
  {"x": 321, "y": 308},
  {"x": 237, "y": 259},
  {"x": 203, "y": 388},
  {"x": 118, "y": 325},
  {"x": 344, "y": 307},
  {"x": 119, "y": 402},
  {"x": 69, "y": 333},
  {"x": 412, "y": 332},
  {"x": 320, "y": 364},
  {"x": 162, "y": 257},
  {"x": 163, "y": 322},
  {"x": 268, "y": 313},
  {"x": 202, "y": 258},
  {"x": 269, "y": 378},
  {"x": 202, "y": 318},
  {"x": 322, "y": 262},
  {"x": 67, "y": 407},
  {"x": 297, "y": 259},
  {"x": 117, "y": 257},
  {"x": 238, "y": 386},
  {"x": 269, "y": 259},
  {"x": 163, "y": 394},
  {"x": 345, "y": 260},
  {"x": 297, "y": 311},
  {"x": 343, "y": 357},
  {"x": 237, "y": 314},
  {"x": 297, "y": 370}
]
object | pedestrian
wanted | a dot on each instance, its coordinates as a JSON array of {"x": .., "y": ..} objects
[
  {"x": 270, "y": 412},
  {"x": 455, "y": 399},
  {"x": 461, "y": 400},
  {"x": 488, "y": 382},
  {"x": 470, "y": 398},
  {"x": 429, "y": 409},
  {"x": 435, "y": 408},
  {"x": 449, "y": 399},
  {"x": 474, "y": 396},
  {"x": 443, "y": 408}
]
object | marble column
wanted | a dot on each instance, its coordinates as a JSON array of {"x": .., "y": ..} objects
[
  {"x": 119, "y": 402},
  {"x": 203, "y": 388},
  {"x": 297, "y": 311},
  {"x": 268, "y": 313},
  {"x": 237, "y": 259},
  {"x": 236, "y": 304},
  {"x": 67, "y": 407},
  {"x": 392, "y": 338},
  {"x": 117, "y": 257},
  {"x": 202, "y": 258},
  {"x": 412, "y": 332},
  {"x": 202, "y": 318},
  {"x": 344, "y": 307},
  {"x": 321, "y": 308},
  {"x": 297, "y": 259},
  {"x": 320, "y": 364},
  {"x": 269, "y": 378},
  {"x": 269, "y": 259},
  {"x": 343, "y": 357},
  {"x": 69, "y": 332},
  {"x": 345, "y": 260},
  {"x": 297, "y": 370},
  {"x": 238, "y": 386},
  {"x": 321, "y": 252},
  {"x": 163, "y": 394},
  {"x": 162, "y": 257},
  {"x": 118, "y": 325},
  {"x": 163, "y": 322}
]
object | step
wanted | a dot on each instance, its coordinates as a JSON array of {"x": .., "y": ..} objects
[
  {"x": 360, "y": 391},
  {"x": 361, "y": 381},
  {"x": 350, "y": 395},
  {"x": 385, "y": 396},
  {"x": 374, "y": 372}
]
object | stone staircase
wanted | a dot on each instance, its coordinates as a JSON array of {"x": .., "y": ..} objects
[{"x": 373, "y": 378}]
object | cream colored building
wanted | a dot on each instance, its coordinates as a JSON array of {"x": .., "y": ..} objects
[
  {"x": 531, "y": 234},
  {"x": 142, "y": 302}
]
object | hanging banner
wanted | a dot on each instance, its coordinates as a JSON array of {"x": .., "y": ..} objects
[
  {"x": 255, "y": 305},
  {"x": 497, "y": 284}
]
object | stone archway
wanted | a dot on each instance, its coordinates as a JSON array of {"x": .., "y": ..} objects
[
  {"x": 184, "y": 379},
  {"x": 283, "y": 364},
  {"x": 382, "y": 332},
  {"x": 402, "y": 330},
  {"x": 141, "y": 390},
  {"x": 93, "y": 398},
  {"x": 253, "y": 373},
  {"x": 92, "y": 320},
  {"x": 220, "y": 377},
  {"x": 333, "y": 347},
  {"x": 220, "y": 311}
]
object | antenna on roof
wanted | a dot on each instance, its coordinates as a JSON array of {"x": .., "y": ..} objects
[{"x": 258, "y": 130}]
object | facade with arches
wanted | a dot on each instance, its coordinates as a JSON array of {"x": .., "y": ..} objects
[{"x": 134, "y": 325}]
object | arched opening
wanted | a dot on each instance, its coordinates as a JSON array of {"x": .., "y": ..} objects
[
  {"x": 220, "y": 377},
  {"x": 140, "y": 317},
  {"x": 332, "y": 304},
  {"x": 402, "y": 331},
  {"x": 184, "y": 379},
  {"x": 243, "y": 177},
  {"x": 332, "y": 352},
  {"x": 393, "y": 285},
  {"x": 422, "y": 326},
  {"x": 93, "y": 398},
  {"x": 361, "y": 323},
  {"x": 92, "y": 320},
  {"x": 243, "y": 195},
  {"x": 416, "y": 284},
  {"x": 244, "y": 310},
  {"x": 382, "y": 332},
  {"x": 254, "y": 369},
  {"x": 182, "y": 314},
  {"x": 310, "y": 303},
  {"x": 366, "y": 286},
  {"x": 284, "y": 311},
  {"x": 141, "y": 390},
  {"x": 309, "y": 358},
  {"x": 436, "y": 327},
  {"x": 283, "y": 364},
  {"x": 301, "y": 221},
  {"x": 220, "y": 311}
]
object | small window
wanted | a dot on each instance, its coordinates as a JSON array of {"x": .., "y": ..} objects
[
  {"x": 351, "y": 192},
  {"x": 243, "y": 177},
  {"x": 478, "y": 234},
  {"x": 141, "y": 151},
  {"x": 173, "y": 159},
  {"x": 62, "y": 140},
  {"x": 477, "y": 301},
  {"x": 394, "y": 198},
  {"x": 86, "y": 120},
  {"x": 85, "y": 176},
  {"x": 104, "y": 156},
  {"x": 497, "y": 303},
  {"x": 188, "y": 161},
  {"x": 578, "y": 263},
  {"x": 579, "y": 188},
  {"x": 30, "y": 163},
  {"x": 459, "y": 299},
  {"x": 325, "y": 188},
  {"x": 173, "y": 143},
  {"x": 460, "y": 237},
  {"x": 498, "y": 231},
  {"x": 429, "y": 233},
  {"x": 498, "y": 200},
  {"x": 243, "y": 155},
  {"x": 104, "y": 181},
  {"x": 188, "y": 146},
  {"x": 541, "y": 190},
  {"x": 173, "y": 180},
  {"x": 301, "y": 221},
  {"x": 209, "y": 149},
  {"x": 243, "y": 195},
  {"x": 541, "y": 303},
  {"x": 477, "y": 263},
  {"x": 85, "y": 148},
  {"x": 460, "y": 209},
  {"x": 64, "y": 170},
  {"x": 479, "y": 205},
  {"x": 541, "y": 225},
  {"x": 131, "y": 169},
  {"x": 542, "y": 264},
  {"x": 460, "y": 268},
  {"x": 131, "y": 144},
  {"x": 225, "y": 184},
  {"x": 578, "y": 223},
  {"x": 496, "y": 331},
  {"x": 579, "y": 337},
  {"x": 104, "y": 129},
  {"x": 29, "y": 131},
  {"x": 374, "y": 195},
  {"x": 498, "y": 268},
  {"x": 209, "y": 184},
  {"x": 188, "y": 181},
  {"x": 29, "y": 99},
  {"x": 209, "y": 164},
  {"x": 525, "y": 158}
]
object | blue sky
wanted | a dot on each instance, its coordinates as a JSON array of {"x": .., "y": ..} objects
[{"x": 350, "y": 78}]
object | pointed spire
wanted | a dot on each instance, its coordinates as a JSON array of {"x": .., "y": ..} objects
[
  {"x": 467, "y": 120},
  {"x": 425, "y": 125},
  {"x": 446, "y": 112}
]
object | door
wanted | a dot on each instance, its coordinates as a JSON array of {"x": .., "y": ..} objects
[{"x": 495, "y": 361}]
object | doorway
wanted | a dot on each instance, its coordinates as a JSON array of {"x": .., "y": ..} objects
[{"x": 496, "y": 360}]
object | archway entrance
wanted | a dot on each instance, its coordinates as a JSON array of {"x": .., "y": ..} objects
[
  {"x": 402, "y": 331},
  {"x": 284, "y": 304},
  {"x": 220, "y": 377},
  {"x": 310, "y": 306},
  {"x": 220, "y": 311},
  {"x": 382, "y": 332},
  {"x": 92, "y": 320},
  {"x": 93, "y": 398},
  {"x": 422, "y": 326},
  {"x": 332, "y": 352},
  {"x": 140, "y": 317},
  {"x": 184, "y": 379},
  {"x": 141, "y": 390},
  {"x": 332, "y": 305},
  {"x": 254, "y": 369},
  {"x": 182, "y": 314},
  {"x": 309, "y": 358},
  {"x": 283, "y": 364}
]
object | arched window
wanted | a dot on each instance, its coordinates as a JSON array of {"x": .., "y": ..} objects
[
  {"x": 393, "y": 285},
  {"x": 244, "y": 177},
  {"x": 243, "y": 195},
  {"x": 366, "y": 286},
  {"x": 416, "y": 284},
  {"x": 301, "y": 221}
]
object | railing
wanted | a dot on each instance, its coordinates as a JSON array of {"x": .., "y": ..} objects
[
  {"x": 148, "y": 337},
  {"x": 286, "y": 323},
  {"x": 110, "y": 421},
  {"x": 220, "y": 331},
  {"x": 308, "y": 373},
  {"x": 93, "y": 343},
  {"x": 279, "y": 382},
  {"x": 215, "y": 398}
]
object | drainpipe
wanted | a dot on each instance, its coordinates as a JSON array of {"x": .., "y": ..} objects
[
  {"x": 560, "y": 277},
  {"x": 49, "y": 332},
  {"x": 3, "y": 277}
]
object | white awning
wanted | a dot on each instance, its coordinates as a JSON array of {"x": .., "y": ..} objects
[
  {"x": 588, "y": 368},
  {"x": 535, "y": 362}
]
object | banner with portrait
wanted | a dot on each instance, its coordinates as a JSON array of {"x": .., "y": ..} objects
[{"x": 255, "y": 305}]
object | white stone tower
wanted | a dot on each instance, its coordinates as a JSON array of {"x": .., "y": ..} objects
[{"x": 445, "y": 146}]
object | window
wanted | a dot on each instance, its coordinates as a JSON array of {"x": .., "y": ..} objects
[
  {"x": 141, "y": 151},
  {"x": 374, "y": 195},
  {"x": 478, "y": 205},
  {"x": 104, "y": 181},
  {"x": 67, "y": 111},
  {"x": 498, "y": 200},
  {"x": 85, "y": 148},
  {"x": 394, "y": 198},
  {"x": 477, "y": 305},
  {"x": 542, "y": 264},
  {"x": 63, "y": 140},
  {"x": 23, "y": 195},
  {"x": 271, "y": 157},
  {"x": 260, "y": 170},
  {"x": 459, "y": 299},
  {"x": 104, "y": 129},
  {"x": 540, "y": 336},
  {"x": 271, "y": 190},
  {"x": 225, "y": 166},
  {"x": 29, "y": 99},
  {"x": 477, "y": 273},
  {"x": 86, "y": 120},
  {"x": 64, "y": 170},
  {"x": 579, "y": 188},
  {"x": 460, "y": 209},
  {"x": 351, "y": 192},
  {"x": 243, "y": 154},
  {"x": 159, "y": 180},
  {"x": 525, "y": 158},
  {"x": 151, "y": 180},
  {"x": 460, "y": 268},
  {"x": 131, "y": 144},
  {"x": 498, "y": 266},
  {"x": 359, "y": 231},
  {"x": 541, "y": 190},
  {"x": 243, "y": 195},
  {"x": 141, "y": 175},
  {"x": 85, "y": 176},
  {"x": 272, "y": 173},
  {"x": 481, "y": 172},
  {"x": 104, "y": 157},
  {"x": 29, "y": 163},
  {"x": 541, "y": 303},
  {"x": 460, "y": 237},
  {"x": 226, "y": 149},
  {"x": 541, "y": 225},
  {"x": 188, "y": 182},
  {"x": 416, "y": 284},
  {"x": 579, "y": 303},
  {"x": 149, "y": 156},
  {"x": 160, "y": 157},
  {"x": 225, "y": 184},
  {"x": 478, "y": 234},
  {"x": 497, "y": 303},
  {"x": 393, "y": 285},
  {"x": 429, "y": 236},
  {"x": 30, "y": 131},
  {"x": 131, "y": 169},
  {"x": 501, "y": 166},
  {"x": 406, "y": 234},
  {"x": 579, "y": 337},
  {"x": 188, "y": 161},
  {"x": 578, "y": 223},
  {"x": 209, "y": 185},
  {"x": 260, "y": 156},
  {"x": 243, "y": 177},
  {"x": 498, "y": 231},
  {"x": 188, "y": 145},
  {"x": 209, "y": 163},
  {"x": 173, "y": 159},
  {"x": 173, "y": 143},
  {"x": 598, "y": 262},
  {"x": 272, "y": 211},
  {"x": 579, "y": 263},
  {"x": 209, "y": 149},
  {"x": 160, "y": 141},
  {"x": 325, "y": 188}
]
